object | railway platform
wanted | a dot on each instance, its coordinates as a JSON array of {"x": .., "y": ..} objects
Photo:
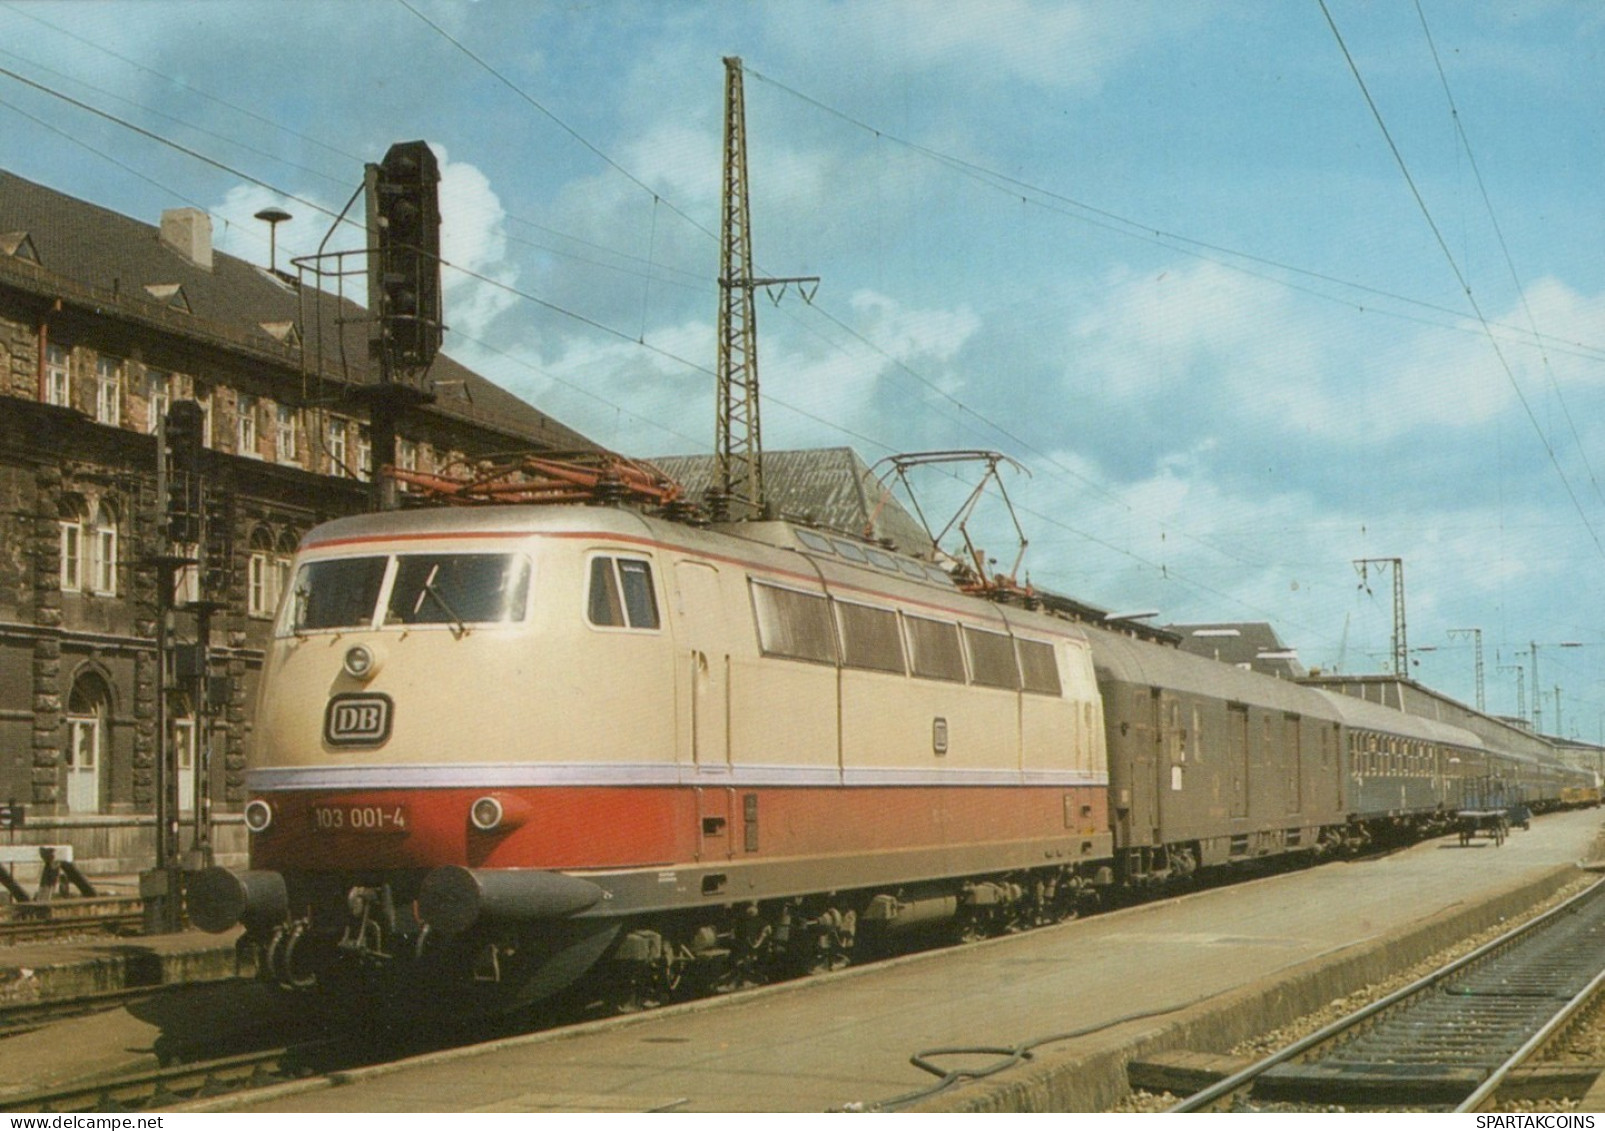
[
  {"x": 1047, "y": 1019},
  {"x": 93, "y": 962}
]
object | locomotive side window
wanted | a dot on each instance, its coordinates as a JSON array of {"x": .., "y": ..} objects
[
  {"x": 818, "y": 543},
  {"x": 793, "y": 624},
  {"x": 933, "y": 647},
  {"x": 992, "y": 659},
  {"x": 339, "y": 593},
  {"x": 870, "y": 638},
  {"x": 458, "y": 589},
  {"x": 621, "y": 594},
  {"x": 1039, "y": 668}
]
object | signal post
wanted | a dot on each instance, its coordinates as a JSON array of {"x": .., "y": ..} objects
[{"x": 403, "y": 205}]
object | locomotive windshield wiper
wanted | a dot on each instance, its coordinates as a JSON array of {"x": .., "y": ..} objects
[{"x": 429, "y": 589}]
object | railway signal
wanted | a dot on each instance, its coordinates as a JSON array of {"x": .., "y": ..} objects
[
  {"x": 182, "y": 443},
  {"x": 404, "y": 259}
]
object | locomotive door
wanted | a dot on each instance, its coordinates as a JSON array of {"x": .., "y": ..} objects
[{"x": 702, "y": 670}]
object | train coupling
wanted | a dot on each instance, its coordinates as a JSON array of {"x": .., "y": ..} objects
[{"x": 372, "y": 921}]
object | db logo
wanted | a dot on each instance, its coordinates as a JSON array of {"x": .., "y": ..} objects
[{"x": 357, "y": 720}]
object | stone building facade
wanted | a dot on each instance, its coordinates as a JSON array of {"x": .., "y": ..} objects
[{"x": 105, "y": 322}]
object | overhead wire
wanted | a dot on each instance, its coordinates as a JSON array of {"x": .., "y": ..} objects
[
  {"x": 637, "y": 339},
  {"x": 601, "y": 326},
  {"x": 1103, "y": 218},
  {"x": 1504, "y": 249},
  {"x": 1460, "y": 277}
]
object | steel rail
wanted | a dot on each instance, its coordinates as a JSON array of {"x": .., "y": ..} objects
[
  {"x": 144, "y": 1089},
  {"x": 1482, "y": 1098},
  {"x": 26, "y": 1016},
  {"x": 1223, "y": 1089}
]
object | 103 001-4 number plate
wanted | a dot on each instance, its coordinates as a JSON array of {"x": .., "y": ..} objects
[{"x": 359, "y": 818}]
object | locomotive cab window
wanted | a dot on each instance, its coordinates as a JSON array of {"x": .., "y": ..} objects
[
  {"x": 621, "y": 593},
  {"x": 458, "y": 589},
  {"x": 338, "y": 593}
]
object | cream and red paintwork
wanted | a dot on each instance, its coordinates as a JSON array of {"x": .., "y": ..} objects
[{"x": 677, "y": 767}]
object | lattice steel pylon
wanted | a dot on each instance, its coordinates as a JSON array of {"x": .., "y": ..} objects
[
  {"x": 1401, "y": 645},
  {"x": 739, "y": 443}
]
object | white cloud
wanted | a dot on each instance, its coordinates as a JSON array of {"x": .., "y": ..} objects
[{"x": 473, "y": 237}]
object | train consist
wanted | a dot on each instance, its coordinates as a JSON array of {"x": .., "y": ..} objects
[{"x": 502, "y": 753}]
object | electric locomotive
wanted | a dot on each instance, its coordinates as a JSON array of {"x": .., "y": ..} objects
[{"x": 496, "y": 749}]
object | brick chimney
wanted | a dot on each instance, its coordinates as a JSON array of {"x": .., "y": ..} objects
[{"x": 188, "y": 231}]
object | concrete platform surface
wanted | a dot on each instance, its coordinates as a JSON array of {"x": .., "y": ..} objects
[{"x": 1206, "y": 967}]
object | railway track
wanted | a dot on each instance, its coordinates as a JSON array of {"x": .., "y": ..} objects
[
  {"x": 159, "y": 1087},
  {"x": 65, "y": 918},
  {"x": 1446, "y": 1041},
  {"x": 26, "y": 1016}
]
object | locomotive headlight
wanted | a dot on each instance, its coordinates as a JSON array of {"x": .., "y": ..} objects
[
  {"x": 486, "y": 814},
  {"x": 361, "y": 662},
  {"x": 258, "y": 815}
]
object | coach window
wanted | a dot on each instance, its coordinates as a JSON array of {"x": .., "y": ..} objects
[{"x": 621, "y": 593}]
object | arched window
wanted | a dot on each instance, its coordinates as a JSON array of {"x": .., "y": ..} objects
[
  {"x": 261, "y": 597},
  {"x": 101, "y": 554},
  {"x": 284, "y": 555},
  {"x": 71, "y": 527},
  {"x": 88, "y": 741}
]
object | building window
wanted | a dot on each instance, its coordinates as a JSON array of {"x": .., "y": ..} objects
[
  {"x": 245, "y": 420},
  {"x": 335, "y": 445},
  {"x": 364, "y": 468},
  {"x": 88, "y": 741},
  {"x": 407, "y": 459},
  {"x": 266, "y": 575},
  {"x": 58, "y": 377},
  {"x": 285, "y": 436},
  {"x": 102, "y": 555},
  {"x": 109, "y": 391},
  {"x": 187, "y": 578},
  {"x": 72, "y": 554},
  {"x": 202, "y": 395},
  {"x": 158, "y": 397}
]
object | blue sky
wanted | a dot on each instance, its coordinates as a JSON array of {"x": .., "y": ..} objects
[{"x": 1163, "y": 254}]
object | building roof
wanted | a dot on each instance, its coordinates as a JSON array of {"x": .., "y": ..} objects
[
  {"x": 58, "y": 247},
  {"x": 1250, "y": 644},
  {"x": 828, "y": 487}
]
